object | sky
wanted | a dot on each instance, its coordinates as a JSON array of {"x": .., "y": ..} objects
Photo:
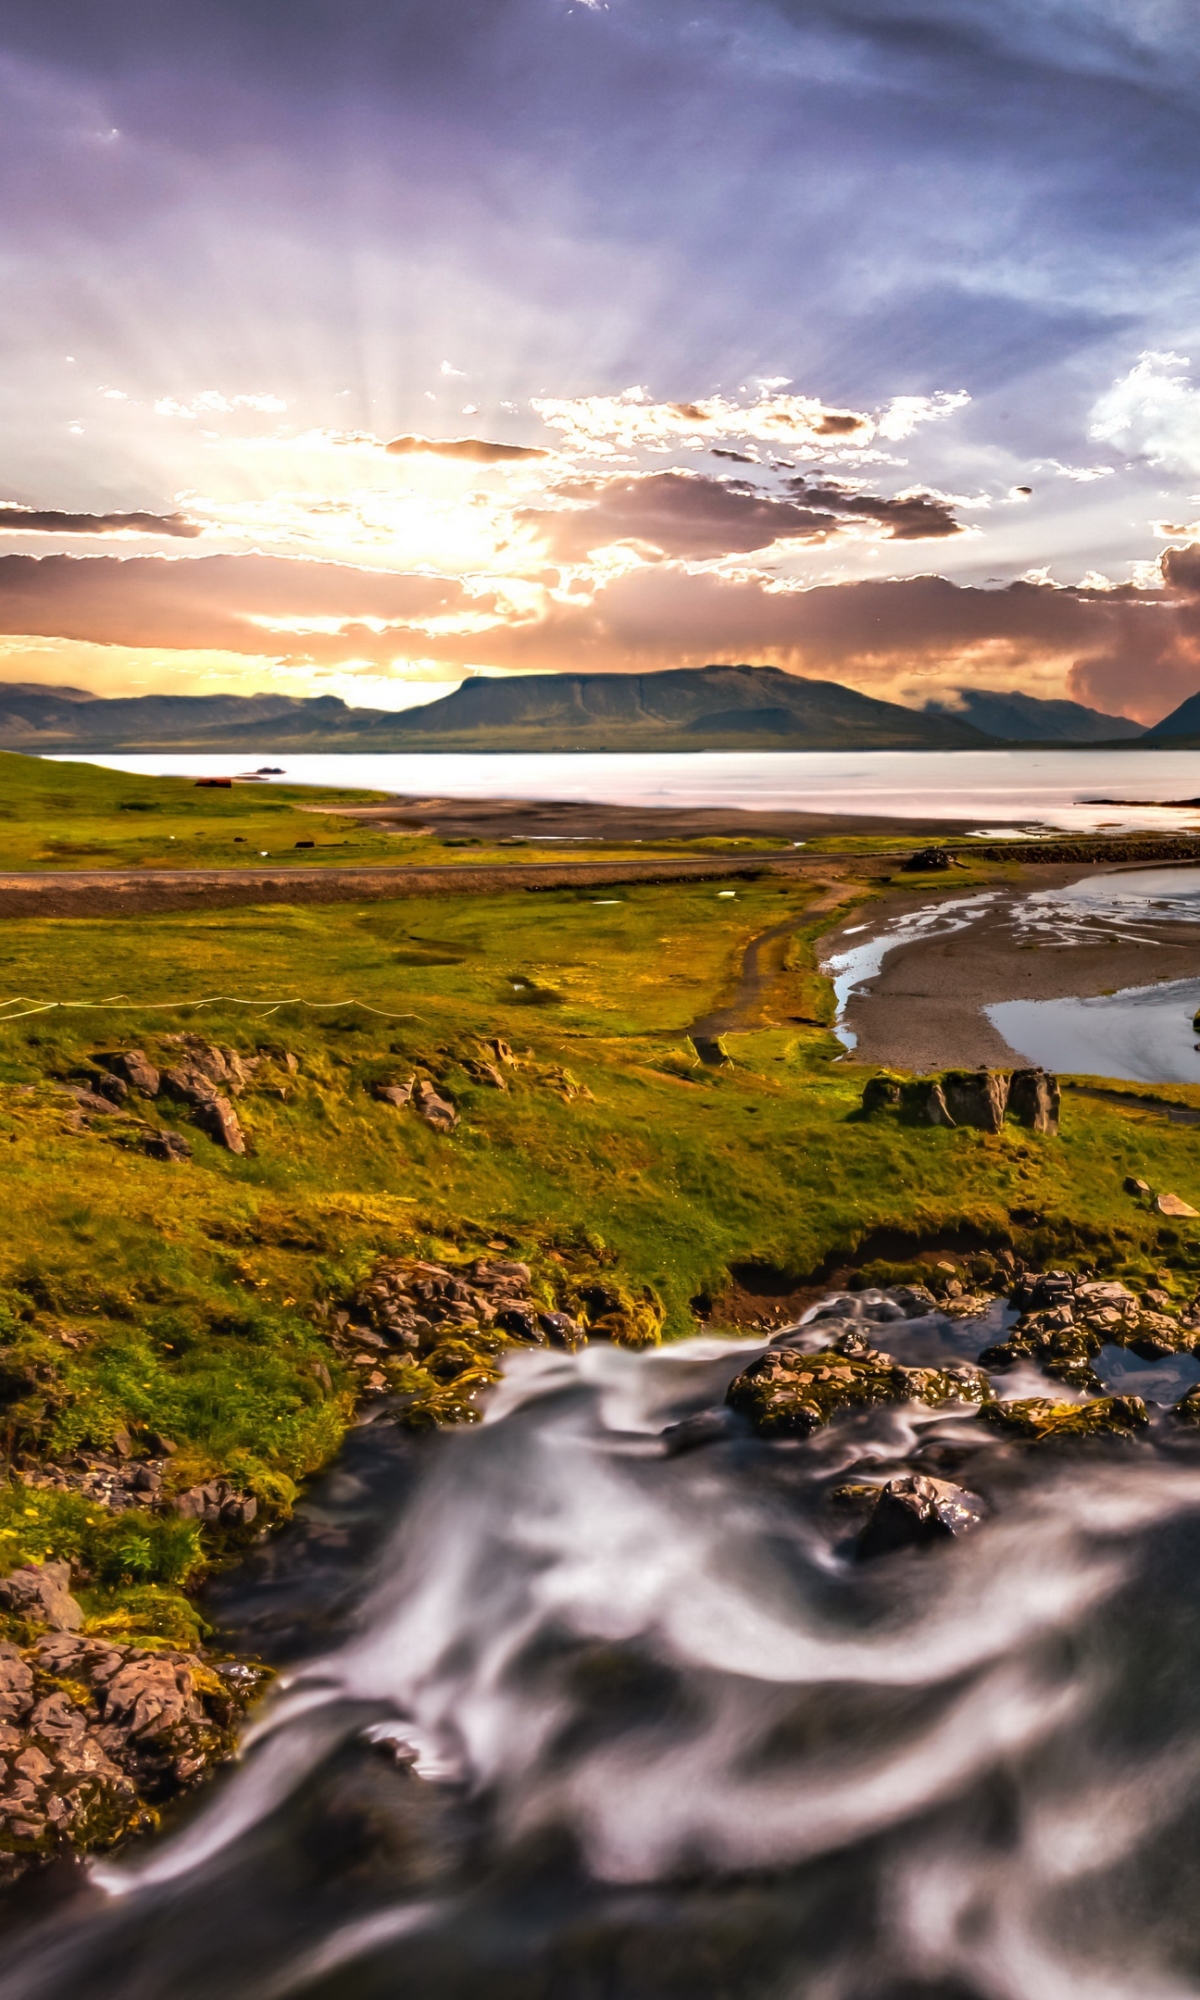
[{"x": 356, "y": 346}]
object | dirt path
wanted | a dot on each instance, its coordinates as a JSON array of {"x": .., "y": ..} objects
[{"x": 761, "y": 968}]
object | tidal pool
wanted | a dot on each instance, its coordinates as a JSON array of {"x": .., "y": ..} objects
[{"x": 1141, "y": 1035}]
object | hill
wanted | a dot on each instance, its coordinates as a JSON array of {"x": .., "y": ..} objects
[{"x": 1026, "y": 718}]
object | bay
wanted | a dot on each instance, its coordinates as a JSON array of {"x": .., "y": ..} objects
[{"x": 1006, "y": 789}]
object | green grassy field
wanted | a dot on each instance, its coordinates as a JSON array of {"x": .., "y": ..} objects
[{"x": 189, "y": 1300}]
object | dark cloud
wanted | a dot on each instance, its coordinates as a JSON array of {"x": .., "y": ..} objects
[
  {"x": 908, "y": 517},
  {"x": 738, "y": 457},
  {"x": 479, "y": 450},
  {"x": 16, "y": 520},
  {"x": 690, "y": 516}
]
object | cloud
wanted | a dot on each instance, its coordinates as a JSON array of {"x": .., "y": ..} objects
[
  {"x": 1153, "y": 412},
  {"x": 211, "y": 403},
  {"x": 601, "y": 425},
  {"x": 248, "y": 604},
  {"x": 693, "y": 517},
  {"x": 912, "y": 516},
  {"x": 479, "y": 450},
  {"x": 17, "y": 520}
]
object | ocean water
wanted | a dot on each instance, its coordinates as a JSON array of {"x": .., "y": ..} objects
[{"x": 993, "y": 788}]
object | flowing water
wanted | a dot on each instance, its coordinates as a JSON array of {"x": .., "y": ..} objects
[{"x": 596, "y": 1717}]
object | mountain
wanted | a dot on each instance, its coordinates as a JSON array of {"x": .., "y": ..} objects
[
  {"x": 685, "y": 708},
  {"x": 1181, "y": 729},
  {"x": 1025, "y": 718}
]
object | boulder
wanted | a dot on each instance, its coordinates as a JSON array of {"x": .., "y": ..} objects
[
  {"x": 41, "y": 1592},
  {"x": 393, "y": 1093},
  {"x": 1171, "y": 1205},
  {"x": 1040, "y": 1421},
  {"x": 95, "y": 1106},
  {"x": 189, "y": 1083},
  {"x": 219, "y": 1119},
  {"x": 926, "y": 860},
  {"x": 880, "y": 1093},
  {"x": 1034, "y": 1099},
  {"x": 787, "y": 1393},
  {"x": 167, "y": 1145},
  {"x": 1133, "y": 1185},
  {"x": 561, "y": 1330},
  {"x": 924, "y": 1102},
  {"x": 435, "y": 1110},
  {"x": 976, "y": 1097},
  {"x": 913, "y": 1510},
  {"x": 133, "y": 1066}
]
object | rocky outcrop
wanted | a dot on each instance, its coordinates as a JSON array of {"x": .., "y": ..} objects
[
  {"x": 94, "y": 1736},
  {"x": 980, "y": 1098},
  {"x": 435, "y": 1110},
  {"x": 42, "y": 1592},
  {"x": 219, "y": 1120},
  {"x": 788, "y": 1393},
  {"x": 1040, "y": 1420}
]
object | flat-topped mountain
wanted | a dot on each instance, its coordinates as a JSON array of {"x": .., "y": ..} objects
[
  {"x": 681, "y": 708},
  {"x": 686, "y": 708}
]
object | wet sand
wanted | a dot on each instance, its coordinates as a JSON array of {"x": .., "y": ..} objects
[
  {"x": 563, "y": 820},
  {"x": 924, "y": 1009}
]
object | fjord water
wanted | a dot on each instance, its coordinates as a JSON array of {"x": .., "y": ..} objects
[
  {"x": 993, "y": 787},
  {"x": 673, "y": 1742}
]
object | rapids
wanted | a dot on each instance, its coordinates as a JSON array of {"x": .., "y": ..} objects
[{"x": 580, "y": 1706}]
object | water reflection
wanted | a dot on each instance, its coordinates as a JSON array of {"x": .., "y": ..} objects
[{"x": 1143, "y": 1035}]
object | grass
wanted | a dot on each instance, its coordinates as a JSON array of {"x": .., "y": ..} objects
[{"x": 138, "y": 1297}]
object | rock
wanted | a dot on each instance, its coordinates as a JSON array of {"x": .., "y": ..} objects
[
  {"x": 926, "y": 860},
  {"x": 134, "y": 1067},
  {"x": 1133, "y": 1185},
  {"x": 114, "y": 1088},
  {"x": 976, "y": 1097},
  {"x": 435, "y": 1110},
  {"x": 189, "y": 1083},
  {"x": 393, "y": 1093},
  {"x": 1185, "y": 1411},
  {"x": 41, "y": 1592},
  {"x": 561, "y": 1330},
  {"x": 914, "y": 1510},
  {"x": 915, "y": 1301},
  {"x": 1034, "y": 1099},
  {"x": 923, "y": 1101},
  {"x": 219, "y": 1119},
  {"x": 880, "y": 1093},
  {"x": 1170, "y": 1204},
  {"x": 790, "y": 1394},
  {"x": 1039, "y": 1420},
  {"x": 218, "y": 1503},
  {"x": 706, "y": 1427},
  {"x": 90, "y": 1102},
  {"x": 166, "y": 1145}
]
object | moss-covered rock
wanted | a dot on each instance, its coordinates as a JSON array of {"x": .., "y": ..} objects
[
  {"x": 789, "y": 1394},
  {"x": 1040, "y": 1420}
]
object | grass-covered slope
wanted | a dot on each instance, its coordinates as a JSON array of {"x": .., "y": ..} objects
[{"x": 194, "y": 1301}]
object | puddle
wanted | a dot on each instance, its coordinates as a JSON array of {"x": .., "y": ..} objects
[{"x": 1142, "y": 1035}]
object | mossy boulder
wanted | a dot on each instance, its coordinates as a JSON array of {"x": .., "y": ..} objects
[
  {"x": 789, "y": 1394},
  {"x": 1039, "y": 1420}
]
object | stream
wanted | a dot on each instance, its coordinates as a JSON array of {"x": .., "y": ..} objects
[{"x": 580, "y": 1706}]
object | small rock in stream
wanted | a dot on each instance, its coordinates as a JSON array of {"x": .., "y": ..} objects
[{"x": 914, "y": 1510}]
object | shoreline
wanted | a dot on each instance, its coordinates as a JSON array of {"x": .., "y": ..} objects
[{"x": 924, "y": 1009}]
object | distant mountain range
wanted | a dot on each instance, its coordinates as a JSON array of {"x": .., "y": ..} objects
[
  {"x": 685, "y": 708},
  {"x": 1024, "y": 718}
]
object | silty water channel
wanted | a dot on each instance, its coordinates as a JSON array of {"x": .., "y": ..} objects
[
  {"x": 1140, "y": 1033},
  {"x": 600, "y": 1701}
]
